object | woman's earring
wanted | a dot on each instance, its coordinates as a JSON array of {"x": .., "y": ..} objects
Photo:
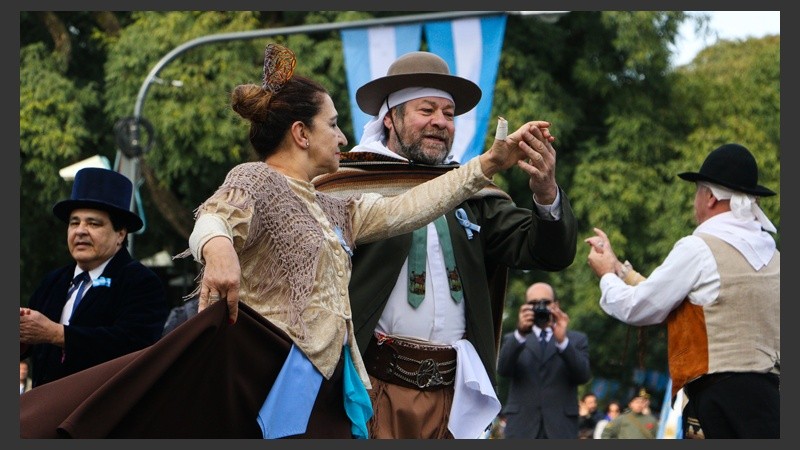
[{"x": 307, "y": 144}]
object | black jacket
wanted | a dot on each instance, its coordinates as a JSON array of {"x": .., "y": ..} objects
[{"x": 110, "y": 321}]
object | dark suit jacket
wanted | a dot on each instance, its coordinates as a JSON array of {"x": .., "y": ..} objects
[
  {"x": 543, "y": 385},
  {"x": 110, "y": 321}
]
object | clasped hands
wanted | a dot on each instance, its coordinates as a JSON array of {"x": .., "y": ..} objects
[{"x": 530, "y": 148}]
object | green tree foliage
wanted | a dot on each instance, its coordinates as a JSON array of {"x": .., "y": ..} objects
[
  {"x": 197, "y": 139},
  {"x": 625, "y": 121},
  {"x": 731, "y": 93},
  {"x": 53, "y": 130},
  {"x": 604, "y": 78}
]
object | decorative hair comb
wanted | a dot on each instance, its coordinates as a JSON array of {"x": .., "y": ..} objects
[{"x": 279, "y": 64}]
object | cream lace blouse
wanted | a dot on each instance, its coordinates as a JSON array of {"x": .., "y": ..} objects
[{"x": 295, "y": 268}]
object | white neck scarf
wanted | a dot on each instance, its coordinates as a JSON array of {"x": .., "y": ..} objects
[
  {"x": 373, "y": 130},
  {"x": 743, "y": 206},
  {"x": 741, "y": 227}
]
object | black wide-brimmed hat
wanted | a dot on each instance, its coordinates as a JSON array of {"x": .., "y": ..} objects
[
  {"x": 731, "y": 166},
  {"x": 102, "y": 189},
  {"x": 418, "y": 69}
]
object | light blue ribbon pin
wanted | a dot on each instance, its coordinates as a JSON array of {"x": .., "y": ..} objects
[
  {"x": 346, "y": 247},
  {"x": 461, "y": 216},
  {"x": 102, "y": 281}
]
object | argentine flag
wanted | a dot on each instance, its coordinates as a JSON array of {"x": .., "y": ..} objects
[
  {"x": 670, "y": 426},
  {"x": 368, "y": 53},
  {"x": 472, "y": 49}
]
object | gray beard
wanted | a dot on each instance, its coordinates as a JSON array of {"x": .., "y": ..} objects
[{"x": 415, "y": 153}]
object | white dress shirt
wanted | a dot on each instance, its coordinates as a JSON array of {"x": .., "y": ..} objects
[
  {"x": 689, "y": 270},
  {"x": 66, "y": 313}
]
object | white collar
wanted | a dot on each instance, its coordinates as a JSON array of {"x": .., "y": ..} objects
[{"x": 746, "y": 236}]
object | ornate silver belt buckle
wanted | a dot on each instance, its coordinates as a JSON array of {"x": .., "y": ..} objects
[{"x": 428, "y": 374}]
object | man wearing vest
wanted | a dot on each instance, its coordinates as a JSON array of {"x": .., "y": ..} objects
[
  {"x": 426, "y": 302},
  {"x": 719, "y": 292}
]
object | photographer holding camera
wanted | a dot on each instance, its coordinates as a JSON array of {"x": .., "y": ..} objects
[{"x": 545, "y": 363}]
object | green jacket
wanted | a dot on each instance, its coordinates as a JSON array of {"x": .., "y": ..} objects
[
  {"x": 510, "y": 237},
  {"x": 631, "y": 425}
]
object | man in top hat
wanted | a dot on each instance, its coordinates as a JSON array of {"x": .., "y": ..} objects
[
  {"x": 719, "y": 292},
  {"x": 427, "y": 306},
  {"x": 104, "y": 304},
  {"x": 636, "y": 422}
]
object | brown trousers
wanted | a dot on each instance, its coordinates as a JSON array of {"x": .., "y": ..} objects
[{"x": 405, "y": 413}]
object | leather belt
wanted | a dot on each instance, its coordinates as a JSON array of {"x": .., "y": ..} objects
[
  {"x": 699, "y": 384},
  {"x": 409, "y": 364}
]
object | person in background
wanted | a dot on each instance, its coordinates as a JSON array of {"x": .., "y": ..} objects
[
  {"x": 180, "y": 314},
  {"x": 719, "y": 291},
  {"x": 433, "y": 298},
  {"x": 588, "y": 415},
  {"x": 612, "y": 411},
  {"x": 25, "y": 381},
  {"x": 545, "y": 363},
  {"x": 636, "y": 422},
  {"x": 105, "y": 303}
]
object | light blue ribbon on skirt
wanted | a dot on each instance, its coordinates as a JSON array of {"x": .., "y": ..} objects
[
  {"x": 356, "y": 400},
  {"x": 288, "y": 406}
]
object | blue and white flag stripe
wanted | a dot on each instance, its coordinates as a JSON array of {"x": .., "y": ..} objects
[
  {"x": 472, "y": 48},
  {"x": 368, "y": 53},
  {"x": 670, "y": 424}
]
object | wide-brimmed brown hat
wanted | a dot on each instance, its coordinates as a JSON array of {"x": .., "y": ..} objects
[
  {"x": 731, "y": 166},
  {"x": 418, "y": 69}
]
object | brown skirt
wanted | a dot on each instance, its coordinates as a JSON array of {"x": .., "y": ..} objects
[{"x": 205, "y": 379}]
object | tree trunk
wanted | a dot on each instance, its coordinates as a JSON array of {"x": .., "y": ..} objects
[
  {"x": 62, "y": 44},
  {"x": 181, "y": 219}
]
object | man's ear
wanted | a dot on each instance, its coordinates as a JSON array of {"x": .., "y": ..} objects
[
  {"x": 123, "y": 233},
  {"x": 387, "y": 119},
  {"x": 711, "y": 201}
]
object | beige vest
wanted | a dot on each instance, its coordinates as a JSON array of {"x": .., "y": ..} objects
[{"x": 739, "y": 331}]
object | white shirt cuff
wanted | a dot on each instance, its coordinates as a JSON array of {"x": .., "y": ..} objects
[
  {"x": 549, "y": 212},
  {"x": 206, "y": 227}
]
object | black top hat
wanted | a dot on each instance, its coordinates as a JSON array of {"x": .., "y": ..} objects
[
  {"x": 102, "y": 189},
  {"x": 731, "y": 166},
  {"x": 418, "y": 69}
]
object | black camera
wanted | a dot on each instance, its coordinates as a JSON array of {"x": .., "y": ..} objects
[{"x": 541, "y": 312}]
